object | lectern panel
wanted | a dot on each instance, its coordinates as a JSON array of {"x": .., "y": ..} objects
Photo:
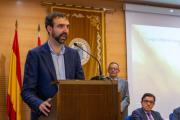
[{"x": 86, "y": 102}]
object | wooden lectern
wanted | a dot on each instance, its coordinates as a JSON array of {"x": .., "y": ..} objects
[{"x": 84, "y": 100}]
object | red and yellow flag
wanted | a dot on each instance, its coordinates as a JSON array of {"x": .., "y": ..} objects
[{"x": 14, "y": 100}]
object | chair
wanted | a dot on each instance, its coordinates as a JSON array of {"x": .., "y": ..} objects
[
  {"x": 127, "y": 117},
  {"x": 170, "y": 116}
]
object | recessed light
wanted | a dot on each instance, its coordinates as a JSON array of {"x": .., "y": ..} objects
[{"x": 18, "y": 2}]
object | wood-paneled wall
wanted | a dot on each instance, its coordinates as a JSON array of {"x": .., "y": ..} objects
[{"x": 30, "y": 13}]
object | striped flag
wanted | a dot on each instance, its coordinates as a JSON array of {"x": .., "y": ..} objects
[
  {"x": 14, "y": 100},
  {"x": 39, "y": 41}
]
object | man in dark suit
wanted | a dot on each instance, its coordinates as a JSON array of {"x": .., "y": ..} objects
[
  {"x": 176, "y": 114},
  {"x": 49, "y": 62},
  {"x": 113, "y": 71},
  {"x": 146, "y": 112}
]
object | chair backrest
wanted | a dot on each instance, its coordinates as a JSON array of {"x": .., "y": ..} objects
[
  {"x": 127, "y": 117},
  {"x": 170, "y": 116}
]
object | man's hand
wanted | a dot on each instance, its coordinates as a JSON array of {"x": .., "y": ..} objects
[{"x": 43, "y": 107}]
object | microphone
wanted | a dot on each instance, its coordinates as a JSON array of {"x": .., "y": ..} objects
[{"x": 101, "y": 77}]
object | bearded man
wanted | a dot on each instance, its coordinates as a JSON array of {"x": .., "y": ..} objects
[{"x": 47, "y": 63}]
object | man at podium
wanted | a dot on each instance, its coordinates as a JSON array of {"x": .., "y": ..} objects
[
  {"x": 47, "y": 63},
  {"x": 113, "y": 71}
]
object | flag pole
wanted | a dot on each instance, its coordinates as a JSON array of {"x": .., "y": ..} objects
[
  {"x": 38, "y": 30},
  {"x": 16, "y": 24}
]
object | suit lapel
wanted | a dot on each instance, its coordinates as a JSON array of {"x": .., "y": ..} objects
[
  {"x": 68, "y": 63},
  {"x": 119, "y": 79},
  {"x": 143, "y": 114},
  {"x": 47, "y": 57},
  {"x": 154, "y": 115}
]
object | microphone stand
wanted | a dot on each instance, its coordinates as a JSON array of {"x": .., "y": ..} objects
[{"x": 101, "y": 76}]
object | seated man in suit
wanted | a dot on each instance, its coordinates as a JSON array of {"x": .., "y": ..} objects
[
  {"x": 146, "y": 112},
  {"x": 113, "y": 71},
  {"x": 47, "y": 63},
  {"x": 176, "y": 114}
]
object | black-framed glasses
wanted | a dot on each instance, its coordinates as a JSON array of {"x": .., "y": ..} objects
[
  {"x": 146, "y": 101},
  {"x": 113, "y": 68}
]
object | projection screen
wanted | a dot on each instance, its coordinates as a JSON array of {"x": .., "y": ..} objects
[{"x": 153, "y": 56}]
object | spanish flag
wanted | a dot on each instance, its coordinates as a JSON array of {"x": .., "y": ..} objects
[{"x": 14, "y": 100}]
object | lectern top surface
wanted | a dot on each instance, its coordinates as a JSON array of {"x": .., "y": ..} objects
[{"x": 83, "y": 82}]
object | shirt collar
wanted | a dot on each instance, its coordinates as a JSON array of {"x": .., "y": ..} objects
[
  {"x": 62, "y": 50},
  {"x": 147, "y": 112},
  {"x": 114, "y": 79}
]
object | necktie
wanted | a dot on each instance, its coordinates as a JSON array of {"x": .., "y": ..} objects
[{"x": 149, "y": 115}]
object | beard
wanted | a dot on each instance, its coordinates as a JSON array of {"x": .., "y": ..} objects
[{"x": 58, "y": 37}]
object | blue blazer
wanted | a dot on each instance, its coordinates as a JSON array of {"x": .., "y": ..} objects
[
  {"x": 139, "y": 114},
  {"x": 40, "y": 72},
  {"x": 176, "y": 114}
]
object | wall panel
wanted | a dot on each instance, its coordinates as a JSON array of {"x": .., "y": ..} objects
[{"x": 29, "y": 14}]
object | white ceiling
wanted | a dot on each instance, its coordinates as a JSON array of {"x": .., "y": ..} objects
[{"x": 157, "y": 2}]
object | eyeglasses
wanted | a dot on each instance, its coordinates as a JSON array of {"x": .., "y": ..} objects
[
  {"x": 113, "y": 68},
  {"x": 146, "y": 101}
]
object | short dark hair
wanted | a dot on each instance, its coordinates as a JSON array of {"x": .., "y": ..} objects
[
  {"x": 49, "y": 18},
  {"x": 113, "y": 63},
  {"x": 148, "y": 95}
]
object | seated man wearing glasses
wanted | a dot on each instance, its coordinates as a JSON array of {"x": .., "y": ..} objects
[
  {"x": 113, "y": 71},
  {"x": 176, "y": 114},
  {"x": 146, "y": 112}
]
